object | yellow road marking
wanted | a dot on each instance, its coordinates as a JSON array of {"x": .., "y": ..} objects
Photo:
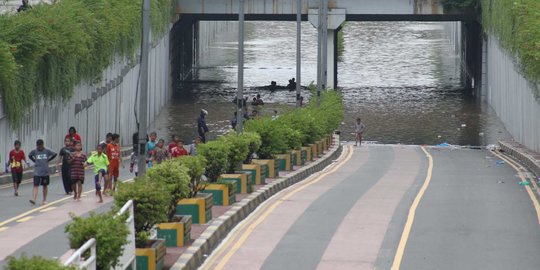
[
  {"x": 47, "y": 209},
  {"x": 251, "y": 226},
  {"x": 25, "y": 219},
  {"x": 47, "y": 205},
  {"x": 3, "y": 229},
  {"x": 528, "y": 188},
  {"x": 412, "y": 211}
]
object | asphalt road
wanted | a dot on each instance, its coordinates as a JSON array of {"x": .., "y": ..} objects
[
  {"x": 54, "y": 242},
  {"x": 471, "y": 214}
]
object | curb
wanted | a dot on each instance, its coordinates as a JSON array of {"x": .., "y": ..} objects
[
  {"x": 221, "y": 226},
  {"x": 525, "y": 156}
]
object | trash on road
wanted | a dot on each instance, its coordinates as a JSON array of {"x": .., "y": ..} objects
[
  {"x": 500, "y": 182},
  {"x": 500, "y": 162},
  {"x": 444, "y": 144},
  {"x": 492, "y": 147},
  {"x": 463, "y": 125},
  {"x": 524, "y": 183}
]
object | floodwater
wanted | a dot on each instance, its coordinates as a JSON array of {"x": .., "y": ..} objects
[{"x": 401, "y": 78}]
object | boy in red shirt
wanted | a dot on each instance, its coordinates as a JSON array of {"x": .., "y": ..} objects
[
  {"x": 114, "y": 155},
  {"x": 16, "y": 157},
  {"x": 179, "y": 150}
]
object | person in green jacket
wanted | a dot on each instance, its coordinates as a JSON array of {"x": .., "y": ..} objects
[{"x": 101, "y": 163}]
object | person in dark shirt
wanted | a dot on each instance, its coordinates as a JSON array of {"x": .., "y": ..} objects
[
  {"x": 65, "y": 154},
  {"x": 25, "y": 6},
  {"x": 202, "y": 128}
]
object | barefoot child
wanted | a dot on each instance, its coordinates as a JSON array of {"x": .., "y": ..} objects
[
  {"x": 64, "y": 154},
  {"x": 359, "y": 129},
  {"x": 101, "y": 163},
  {"x": 77, "y": 160},
  {"x": 160, "y": 152},
  {"x": 16, "y": 157},
  {"x": 134, "y": 164},
  {"x": 113, "y": 153},
  {"x": 41, "y": 157}
]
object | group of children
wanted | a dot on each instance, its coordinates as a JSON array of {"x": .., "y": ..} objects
[{"x": 156, "y": 152}]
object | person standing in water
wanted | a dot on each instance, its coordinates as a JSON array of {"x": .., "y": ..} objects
[
  {"x": 202, "y": 128},
  {"x": 359, "y": 129}
]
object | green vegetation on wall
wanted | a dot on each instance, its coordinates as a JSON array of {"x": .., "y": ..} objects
[
  {"x": 457, "y": 4},
  {"x": 47, "y": 50},
  {"x": 517, "y": 25}
]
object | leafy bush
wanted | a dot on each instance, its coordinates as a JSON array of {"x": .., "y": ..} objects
[
  {"x": 176, "y": 178},
  {"x": 310, "y": 129},
  {"x": 47, "y": 50},
  {"x": 273, "y": 139},
  {"x": 34, "y": 263},
  {"x": 238, "y": 150},
  {"x": 151, "y": 200},
  {"x": 195, "y": 166},
  {"x": 216, "y": 154},
  {"x": 110, "y": 234},
  {"x": 254, "y": 141}
]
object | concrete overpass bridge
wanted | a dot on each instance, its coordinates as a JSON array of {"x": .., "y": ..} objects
[{"x": 185, "y": 31}]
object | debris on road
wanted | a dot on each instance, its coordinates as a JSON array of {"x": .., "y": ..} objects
[
  {"x": 524, "y": 183},
  {"x": 500, "y": 162}
]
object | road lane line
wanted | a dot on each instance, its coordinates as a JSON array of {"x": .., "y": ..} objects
[
  {"x": 47, "y": 209},
  {"x": 524, "y": 179},
  {"x": 47, "y": 205},
  {"x": 25, "y": 219},
  {"x": 412, "y": 211},
  {"x": 3, "y": 229},
  {"x": 252, "y": 225}
]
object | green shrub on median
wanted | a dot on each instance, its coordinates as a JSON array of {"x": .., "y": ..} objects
[
  {"x": 151, "y": 202},
  {"x": 195, "y": 166},
  {"x": 216, "y": 154},
  {"x": 109, "y": 231},
  {"x": 34, "y": 263},
  {"x": 175, "y": 178}
]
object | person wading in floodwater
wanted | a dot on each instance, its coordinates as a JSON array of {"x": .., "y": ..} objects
[
  {"x": 359, "y": 129},
  {"x": 202, "y": 129}
]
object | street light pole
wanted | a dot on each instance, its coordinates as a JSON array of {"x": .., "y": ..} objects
[
  {"x": 325, "y": 45},
  {"x": 143, "y": 100},
  {"x": 298, "y": 51},
  {"x": 240, "y": 90},
  {"x": 319, "y": 52}
]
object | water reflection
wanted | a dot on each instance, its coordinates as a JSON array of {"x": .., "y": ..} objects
[{"x": 401, "y": 78}]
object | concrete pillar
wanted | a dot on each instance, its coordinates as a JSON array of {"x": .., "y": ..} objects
[
  {"x": 331, "y": 59},
  {"x": 335, "y": 18}
]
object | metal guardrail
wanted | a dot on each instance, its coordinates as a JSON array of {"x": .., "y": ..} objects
[
  {"x": 128, "y": 256},
  {"x": 76, "y": 258}
]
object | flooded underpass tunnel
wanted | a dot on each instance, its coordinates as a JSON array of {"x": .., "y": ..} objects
[{"x": 402, "y": 78}]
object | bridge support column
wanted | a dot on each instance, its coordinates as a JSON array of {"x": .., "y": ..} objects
[{"x": 335, "y": 18}]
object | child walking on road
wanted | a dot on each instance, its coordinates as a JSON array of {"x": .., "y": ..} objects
[
  {"x": 16, "y": 157},
  {"x": 77, "y": 160},
  {"x": 359, "y": 129},
  {"x": 114, "y": 155},
  {"x": 41, "y": 157},
  {"x": 101, "y": 163},
  {"x": 65, "y": 153}
]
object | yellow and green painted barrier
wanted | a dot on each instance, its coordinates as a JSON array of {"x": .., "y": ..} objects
[
  {"x": 284, "y": 162},
  {"x": 297, "y": 159},
  {"x": 256, "y": 173},
  {"x": 270, "y": 165},
  {"x": 151, "y": 258},
  {"x": 175, "y": 234},
  {"x": 243, "y": 183},
  {"x": 308, "y": 153},
  {"x": 200, "y": 208},
  {"x": 223, "y": 194}
]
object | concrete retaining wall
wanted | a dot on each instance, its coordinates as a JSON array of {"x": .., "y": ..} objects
[
  {"x": 514, "y": 98},
  {"x": 94, "y": 109}
]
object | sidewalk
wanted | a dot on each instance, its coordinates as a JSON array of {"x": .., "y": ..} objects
[{"x": 525, "y": 156}]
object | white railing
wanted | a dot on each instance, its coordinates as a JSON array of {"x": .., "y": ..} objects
[
  {"x": 87, "y": 263},
  {"x": 128, "y": 256}
]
